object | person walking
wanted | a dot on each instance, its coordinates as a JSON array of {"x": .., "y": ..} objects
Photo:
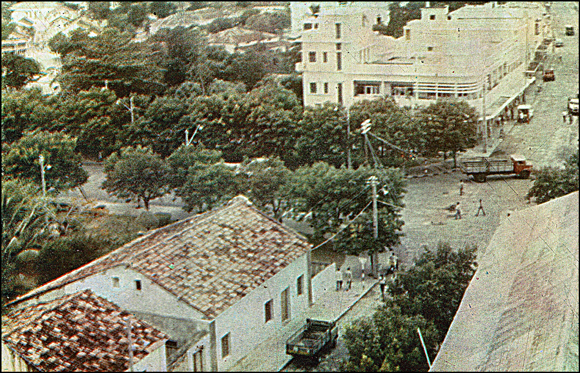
[
  {"x": 571, "y": 117},
  {"x": 564, "y": 115},
  {"x": 382, "y": 284},
  {"x": 338, "y": 279},
  {"x": 461, "y": 188},
  {"x": 348, "y": 275},
  {"x": 457, "y": 212},
  {"x": 480, "y": 209}
]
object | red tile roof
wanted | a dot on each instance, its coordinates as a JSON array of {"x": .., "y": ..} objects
[
  {"x": 210, "y": 260},
  {"x": 78, "y": 332}
]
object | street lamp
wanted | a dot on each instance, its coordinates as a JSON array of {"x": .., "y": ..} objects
[{"x": 48, "y": 167}]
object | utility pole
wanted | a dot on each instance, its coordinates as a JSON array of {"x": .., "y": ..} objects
[
  {"x": 348, "y": 137},
  {"x": 41, "y": 161},
  {"x": 128, "y": 321},
  {"x": 131, "y": 109},
  {"x": 483, "y": 111},
  {"x": 373, "y": 181},
  {"x": 424, "y": 348}
]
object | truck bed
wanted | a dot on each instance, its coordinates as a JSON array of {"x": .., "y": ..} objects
[
  {"x": 310, "y": 338},
  {"x": 478, "y": 165}
]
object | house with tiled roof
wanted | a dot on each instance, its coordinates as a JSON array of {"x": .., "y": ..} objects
[
  {"x": 218, "y": 283},
  {"x": 520, "y": 311},
  {"x": 81, "y": 332}
]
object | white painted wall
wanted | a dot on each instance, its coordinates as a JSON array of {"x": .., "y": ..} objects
[
  {"x": 245, "y": 321},
  {"x": 153, "y": 362},
  {"x": 11, "y": 362},
  {"x": 324, "y": 281}
]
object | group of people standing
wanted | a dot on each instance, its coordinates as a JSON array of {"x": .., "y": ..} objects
[{"x": 458, "y": 211}]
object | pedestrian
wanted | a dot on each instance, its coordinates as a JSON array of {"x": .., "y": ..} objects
[
  {"x": 461, "y": 188},
  {"x": 382, "y": 284},
  {"x": 480, "y": 208},
  {"x": 392, "y": 263},
  {"x": 521, "y": 117},
  {"x": 564, "y": 115},
  {"x": 457, "y": 212},
  {"x": 396, "y": 258},
  {"x": 338, "y": 279},
  {"x": 362, "y": 277},
  {"x": 348, "y": 278}
]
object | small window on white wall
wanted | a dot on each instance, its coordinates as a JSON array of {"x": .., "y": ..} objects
[
  {"x": 300, "y": 285},
  {"x": 138, "y": 284},
  {"x": 225, "y": 345},
  {"x": 116, "y": 282},
  {"x": 268, "y": 310}
]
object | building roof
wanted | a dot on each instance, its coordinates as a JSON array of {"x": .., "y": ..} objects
[
  {"x": 520, "y": 311},
  {"x": 239, "y": 35},
  {"x": 210, "y": 260},
  {"x": 78, "y": 332}
]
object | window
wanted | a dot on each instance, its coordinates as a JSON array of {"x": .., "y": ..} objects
[
  {"x": 324, "y": 56},
  {"x": 115, "y": 282},
  {"x": 338, "y": 46},
  {"x": 337, "y": 30},
  {"x": 312, "y": 87},
  {"x": 312, "y": 56},
  {"x": 407, "y": 34},
  {"x": 430, "y": 49},
  {"x": 299, "y": 280},
  {"x": 338, "y": 61},
  {"x": 432, "y": 17},
  {"x": 197, "y": 361},
  {"x": 225, "y": 345},
  {"x": 326, "y": 88},
  {"x": 316, "y": 25},
  {"x": 308, "y": 26},
  {"x": 268, "y": 311},
  {"x": 285, "y": 304},
  {"x": 138, "y": 284},
  {"x": 339, "y": 93}
]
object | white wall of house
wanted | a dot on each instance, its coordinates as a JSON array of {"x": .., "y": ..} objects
[
  {"x": 152, "y": 298},
  {"x": 153, "y": 362},
  {"x": 11, "y": 362},
  {"x": 245, "y": 321},
  {"x": 324, "y": 281}
]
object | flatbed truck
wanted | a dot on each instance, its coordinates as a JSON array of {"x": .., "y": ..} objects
[{"x": 481, "y": 167}]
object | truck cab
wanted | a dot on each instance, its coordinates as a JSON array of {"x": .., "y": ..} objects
[
  {"x": 521, "y": 167},
  {"x": 569, "y": 30}
]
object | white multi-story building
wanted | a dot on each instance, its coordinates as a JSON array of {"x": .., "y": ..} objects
[{"x": 442, "y": 54}]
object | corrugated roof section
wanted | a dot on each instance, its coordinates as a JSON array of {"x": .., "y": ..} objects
[
  {"x": 520, "y": 311},
  {"x": 79, "y": 332},
  {"x": 210, "y": 260}
]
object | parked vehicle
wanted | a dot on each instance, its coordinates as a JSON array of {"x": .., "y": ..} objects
[
  {"x": 480, "y": 167},
  {"x": 573, "y": 106},
  {"x": 312, "y": 338},
  {"x": 549, "y": 75},
  {"x": 559, "y": 43},
  {"x": 525, "y": 113},
  {"x": 569, "y": 30}
]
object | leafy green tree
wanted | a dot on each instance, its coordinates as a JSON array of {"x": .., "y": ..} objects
[
  {"x": 552, "y": 182},
  {"x": 186, "y": 157},
  {"x": 434, "y": 286},
  {"x": 392, "y": 124},
  {"x": 323, "y": 135},
  {"x": 162, "y": 9},
  {"x": 265, "y": 180},
  {"x": 17, "y": 71},
  {"x": 207, "y": 186},
  {"x": 389, "y": 342},
  {"x": 399, "y": 16},
  {"x": 26, "y": 110},
  {"x": 111, "y": 57},
  {"x": 23, "y": 225},
  {"x": 331, "y": 198},
  {"x": 136, "y": 173},
  {"x": 7, "y": 25},
  {"x": 449, "y": 126},
  {"x": 137, "y": 14},
  {"x": 268, "y": 22},
  {"x": 248, "y": 68},
  {"x": 220, "y": 24},
  {"x": 99, "y": 9},
  {"x": 21, "y": 160}
]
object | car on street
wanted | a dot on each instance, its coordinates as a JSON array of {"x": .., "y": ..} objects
[
  {"x": 559, "y": 43},
  {"x": 549, "y": 75},
  {"x": 573, "y": 106}
]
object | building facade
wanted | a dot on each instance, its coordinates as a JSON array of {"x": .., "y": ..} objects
[
  {"x": 218, "y": 283},
  {"x": 467, "y": 54}
]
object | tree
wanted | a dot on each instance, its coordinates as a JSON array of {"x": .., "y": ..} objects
[
  {"x": 23, "y": 225},
  {"x": 99, "y": 9},
  {"x": 332, "y": 198},
  {"x": 17, "y": 71},
  {"x": 265, "y": 180},
  {"x": 425, "y": 297},
  {"x": 389, "y": 342},
  {"x": 136, "y": 173},
  {"x": 248, "y": 68},
  {"x": 434, "y": 286},
  {"x": 111, "y": 57},
  {"x": 26, "y": 110},
  {"x": 268, "y": 22},
  {"x": 21, "y": 160},
  {"x": 162, "y": 9},
  {"x": 186, "y": 157},
  {"x": 552, "y": 182},
  {"x": 449, "y": 125},
  {"x": 399, "y": 16},
  {"x": 323, "y": 136},
  {"x": 137, "y": 14}
]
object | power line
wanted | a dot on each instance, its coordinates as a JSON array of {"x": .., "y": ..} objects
[{"x": 343, "y": 228}]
